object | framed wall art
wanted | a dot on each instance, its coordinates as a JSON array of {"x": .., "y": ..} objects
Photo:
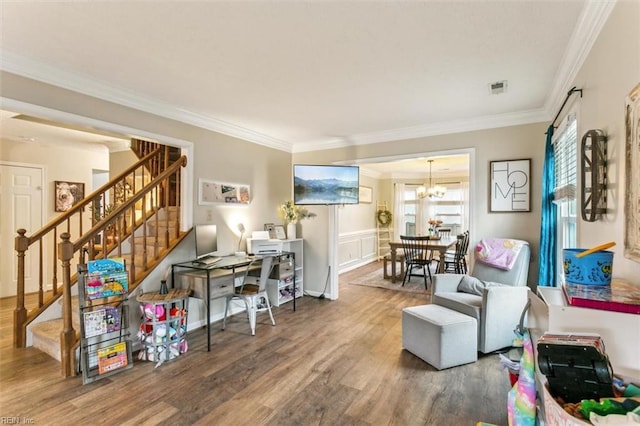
[
  {"x": 632, "y": 185},
  {"x": 510, "y": 186},
  {"x": 366, "y": 194},
  {"x": 67, "y": 194},
  {"x": 212, "y": 192}
]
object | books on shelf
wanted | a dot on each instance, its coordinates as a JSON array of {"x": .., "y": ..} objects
[
  {"x": 620, "y": 296},
  {"x": 112, "y": 357},
  {"x": 106, "y": 278},
  {"x": 101, "y": 321},
  {"x": 584, "y": 339}
]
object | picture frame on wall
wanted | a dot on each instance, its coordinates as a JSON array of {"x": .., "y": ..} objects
[
  {"x": 366, "y": 194},
  {"x": 632, "y": 166},
  {"x": 213, "y": 192},
  {"x": 67, "y": 194},
  {"x": 510, "y": 186}
]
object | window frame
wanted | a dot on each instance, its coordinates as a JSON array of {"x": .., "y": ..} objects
[{"x": 566, "y": 165}]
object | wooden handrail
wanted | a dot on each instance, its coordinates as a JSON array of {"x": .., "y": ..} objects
[
  {"x": 69, "y": 251},
  {"x": 121, "y": 223},
  {"x": 82, "y": 204},
  {"x": 100, "y": 226}
]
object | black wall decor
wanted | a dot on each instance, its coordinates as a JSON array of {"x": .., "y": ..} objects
[{"x": 594, "y": 175}]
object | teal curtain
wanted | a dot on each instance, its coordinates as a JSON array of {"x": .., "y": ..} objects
[{"x": 547, "y": 273}]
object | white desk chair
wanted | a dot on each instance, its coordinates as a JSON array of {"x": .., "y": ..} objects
[{"x": 254, "y": 296}]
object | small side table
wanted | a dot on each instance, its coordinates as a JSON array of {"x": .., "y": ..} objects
[{"x": 163, "y": 331}]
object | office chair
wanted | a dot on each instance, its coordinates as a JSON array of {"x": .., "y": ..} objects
[{"x": 253, "y": 295}]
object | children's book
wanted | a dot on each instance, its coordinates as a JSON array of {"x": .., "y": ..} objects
[
  {"x": 106, "y": 284},
  {"x": 106, "y": 278},
  {"x": 112, "y": 357},
  {"x": 106, "y": 265},
  {"x": 620, "y": 296},
  {"x": 101, "y": 321}
]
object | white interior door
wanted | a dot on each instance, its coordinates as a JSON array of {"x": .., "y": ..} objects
[{"x": 20, "y": 207}]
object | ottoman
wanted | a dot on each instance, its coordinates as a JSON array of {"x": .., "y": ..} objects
[{"x": 440, "y": 336}]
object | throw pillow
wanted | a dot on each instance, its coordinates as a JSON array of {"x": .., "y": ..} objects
[{"x": 472, "y": 285}]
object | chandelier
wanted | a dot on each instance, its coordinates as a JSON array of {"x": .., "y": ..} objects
[{"x": 437, "y": 191}]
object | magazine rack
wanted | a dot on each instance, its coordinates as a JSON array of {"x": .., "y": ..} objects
[{"x": 104, "y": 319}]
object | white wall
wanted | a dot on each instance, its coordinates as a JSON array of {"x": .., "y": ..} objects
[
  {"x": 515, "y": 142},
  {"x": 609, "y": 73},
  {"x": 63, "y": 163}
]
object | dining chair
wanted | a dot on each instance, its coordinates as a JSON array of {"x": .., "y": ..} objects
[
  {"x": 444, "y": 232},
  {"x": 456, "y": 261},
  {"x": 254, "y": 295},
  {"x": 416, "y": 255}
]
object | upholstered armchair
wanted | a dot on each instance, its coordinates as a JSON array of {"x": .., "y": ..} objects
[{"x": 494, "y": 297}]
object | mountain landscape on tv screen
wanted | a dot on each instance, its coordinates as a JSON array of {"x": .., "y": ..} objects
[{"x": 325, "y": 191}]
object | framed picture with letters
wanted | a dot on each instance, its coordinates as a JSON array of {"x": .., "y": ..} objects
[{"x": 510, "y": 186}]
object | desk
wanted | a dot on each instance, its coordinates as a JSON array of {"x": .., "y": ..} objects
[
  {"x": 227, "y": 266},
  {"x": 440, "y": 245}
]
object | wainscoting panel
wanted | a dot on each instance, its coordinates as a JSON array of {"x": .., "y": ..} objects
[{"x": 356, "y": 249}]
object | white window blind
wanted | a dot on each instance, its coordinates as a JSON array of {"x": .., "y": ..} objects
[{"x": 566, "y": 161}]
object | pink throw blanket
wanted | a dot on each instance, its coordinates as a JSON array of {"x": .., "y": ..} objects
[{"x": 500, "y": 253}]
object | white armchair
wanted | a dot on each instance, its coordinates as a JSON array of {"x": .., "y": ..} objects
[{"x": 494, "y": 297}]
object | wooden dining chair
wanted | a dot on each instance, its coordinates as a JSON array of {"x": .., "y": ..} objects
[
  {"x": 456, "y": 262},
  {"x": 416, "y": 255},
  {"x": 444, "y": 232}
]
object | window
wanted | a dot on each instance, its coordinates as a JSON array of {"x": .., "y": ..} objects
[
  {"x": 411, "y": 212},
  {"x": 450, "y": 209},
  {"x": 565, "y": 149}
]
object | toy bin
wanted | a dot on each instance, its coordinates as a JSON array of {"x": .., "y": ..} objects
[
  {"x": 163, "y": 330},
  {"x": 592, "y": 269}
]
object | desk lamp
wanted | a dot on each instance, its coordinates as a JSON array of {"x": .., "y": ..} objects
[{"x": 241, "y": 229}]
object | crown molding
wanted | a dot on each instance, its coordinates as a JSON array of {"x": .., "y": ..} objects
[
  {"x": 454, "y": 126},
  {"x": 590, "y": 22},
  {"x": 45, "y": 73}
]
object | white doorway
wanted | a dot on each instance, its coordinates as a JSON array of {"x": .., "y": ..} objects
[
  {"x": 21, "y": 201},
  {"x": 400, "y": 168}
]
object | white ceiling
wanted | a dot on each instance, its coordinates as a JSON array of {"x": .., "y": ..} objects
[{"x": 303, "y": 75}]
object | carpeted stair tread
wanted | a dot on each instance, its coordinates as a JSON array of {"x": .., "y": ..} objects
[{"x": 46, "y": 337}]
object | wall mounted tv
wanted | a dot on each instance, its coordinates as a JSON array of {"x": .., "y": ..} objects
[{"x": 325, "y": 185}]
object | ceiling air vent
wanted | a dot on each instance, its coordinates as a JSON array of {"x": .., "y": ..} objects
[{"x": 498, "y": 87}]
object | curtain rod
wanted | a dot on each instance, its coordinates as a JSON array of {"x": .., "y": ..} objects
[{"x": 569, "y": 93}]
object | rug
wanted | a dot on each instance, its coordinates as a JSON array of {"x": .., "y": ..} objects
[{"x": 371, "y": 276}]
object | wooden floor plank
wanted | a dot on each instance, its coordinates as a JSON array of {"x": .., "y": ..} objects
[{"x": 330, "y": 362}]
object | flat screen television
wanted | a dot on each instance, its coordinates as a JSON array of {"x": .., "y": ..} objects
[
  {"x": 206, "y": 240},
  {"x": 318, "y": 184}
]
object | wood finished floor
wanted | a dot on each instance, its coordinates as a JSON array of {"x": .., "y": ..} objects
[{"x": 329, "y": 363}]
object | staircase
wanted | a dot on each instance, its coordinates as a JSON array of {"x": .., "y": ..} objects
[{"x": 140, "y": 224}]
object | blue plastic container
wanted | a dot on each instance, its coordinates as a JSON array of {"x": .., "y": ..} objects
[{"x": 592, "y": 269}]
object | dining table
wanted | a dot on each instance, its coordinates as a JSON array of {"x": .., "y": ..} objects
[{"x": 440, "y": 244}]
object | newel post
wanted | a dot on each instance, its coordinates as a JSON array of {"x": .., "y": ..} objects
[
  {"x": 20, "y": 313},
  {"x": 68, "y": 334}
]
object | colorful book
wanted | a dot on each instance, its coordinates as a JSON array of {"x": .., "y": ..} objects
[
  {"x": 112, "y": 357},
  {"x": 106, "y": 278},
  {"x": 106, "y": 265},
  {"x": 620, "y": 296},
  {"x": 101, "y": 321},
  {"x": 106, "y": 284}
]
